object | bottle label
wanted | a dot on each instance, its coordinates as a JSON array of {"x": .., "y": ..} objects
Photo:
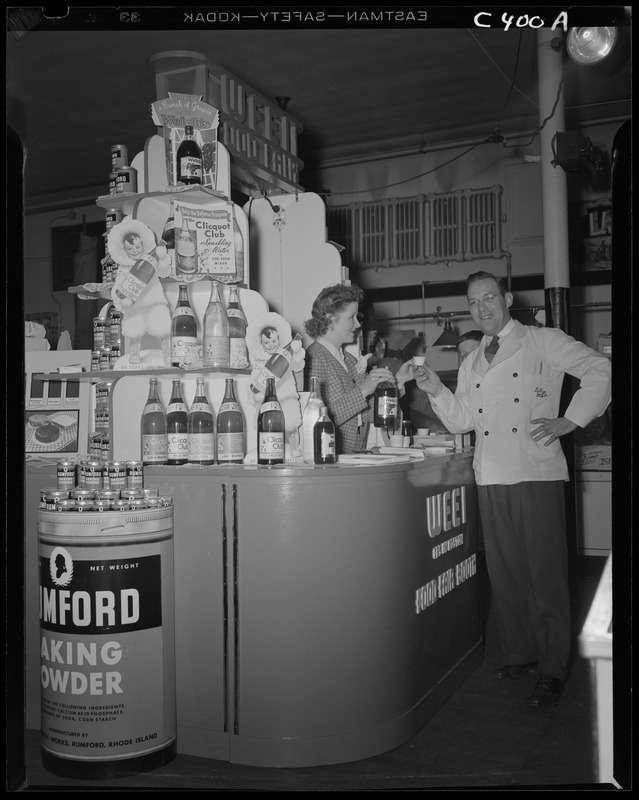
[
  {"x": 191, "y": 167},
  {"x": 185, "y": 262},
  {"x": 182, "y": 311},
  {"x": 131, "y": 286},
  {"x": 229, "y": 405},
  {"x": 154, "y": 449},
  {"x": 327, "y": 444},
  {"x": 182, "y": 347},
  {"x": 177, "y": 406},
  {"x": 238, "y": 354},
  {"x": 270, "y": 445},
  {"x": 216, "y": 351},
  {"x": 202, "y": 407},
  {"x": 230, "y": 447},
  {"x": 151, "y": 408},
  {"x": 202, "y": 447},
  {"x": 177, "y": 446},
  {"x": 387, "y": 406},
  {"x": 271, "y": 405},
  {"x": 258, "y": 380}
]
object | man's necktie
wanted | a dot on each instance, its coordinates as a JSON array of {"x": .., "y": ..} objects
[{"x": 491, "y": 348}]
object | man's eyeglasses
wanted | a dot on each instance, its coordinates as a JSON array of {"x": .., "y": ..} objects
[{"x": 485, "y": 298}]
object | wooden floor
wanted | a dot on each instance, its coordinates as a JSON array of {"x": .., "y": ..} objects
[{"x": 483, "y": 736}]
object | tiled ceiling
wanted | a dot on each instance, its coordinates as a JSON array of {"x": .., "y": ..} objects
[{"x": 356, "y": 92}]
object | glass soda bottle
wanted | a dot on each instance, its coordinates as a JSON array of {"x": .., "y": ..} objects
[
  {"x": 153, "y": 428},
  {"x": 309, "y": 417},
  {"x": 215, "y": 340},
  {"x": 386, "y": 405},
  {"x": 324, "y": 439},
  {"x": 183, "y": 330},
  {"x": 201, "y": 427},
  {"x": 270, "y": 428},
  {"x": 176, "y": 427},
  {"x": 230, "y": 428},
  {"x": 238, "y": 353},
  {"x": 185, "y": 252},
  {"x": 189, "y": 159},
  {"x": 168, "y": 234}
]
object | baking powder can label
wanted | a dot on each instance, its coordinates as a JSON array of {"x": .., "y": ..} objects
[{"x": 106, "y": 648}]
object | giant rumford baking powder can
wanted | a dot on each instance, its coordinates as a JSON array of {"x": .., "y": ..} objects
[{"x": 107, "y": 641}]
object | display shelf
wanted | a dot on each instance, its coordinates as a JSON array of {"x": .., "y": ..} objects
[
  {"x": 102, "y": 291},
  {"x": 99, "y": 375},
  {"x": 129, "y": 202}
]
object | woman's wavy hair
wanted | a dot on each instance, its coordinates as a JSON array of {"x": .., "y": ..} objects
[{"x": 328, "y": 304}]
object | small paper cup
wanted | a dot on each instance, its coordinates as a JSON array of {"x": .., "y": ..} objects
[
  {"x": 423, "y": 431},
  {"x": 396, "y": 441},
  {"x": 419, "y": 361}
]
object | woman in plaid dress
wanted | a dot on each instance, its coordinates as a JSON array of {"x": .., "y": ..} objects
[{"x": 345, "y": 386}]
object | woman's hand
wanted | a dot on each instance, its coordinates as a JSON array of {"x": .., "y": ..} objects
[
  {"x": 404, "y": 374},
  {"x": 376, "y": 376},
  {"x": 427, "y": 380}
]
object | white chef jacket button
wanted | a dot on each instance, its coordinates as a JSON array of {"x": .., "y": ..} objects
[
  {"x": 514, "y": 430},
  {"x": 515, "y": 374},
  {"x": 516, "y": 399},
  {"x": 476, "y": 386},
  {"x": 485, "y": 433},
  {"x": 480, "y": 410}
]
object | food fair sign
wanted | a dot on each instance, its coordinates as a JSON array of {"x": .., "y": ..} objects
[
  {"x": 260, "y": 136},
  {"x": 446, "y": 513}
]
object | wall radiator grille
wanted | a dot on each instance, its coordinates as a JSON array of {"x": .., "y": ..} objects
[{"x": 463, "y": 225}]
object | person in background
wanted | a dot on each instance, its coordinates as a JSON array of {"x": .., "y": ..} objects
[
  {"x": 380, "y": 358},
  {"x": 508, "y": 391},
  {"x": 345, "y": 386},
  {"x": 468, "y": 342}
]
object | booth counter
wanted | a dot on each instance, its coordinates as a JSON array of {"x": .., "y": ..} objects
[{"x": 322, "y": 615}]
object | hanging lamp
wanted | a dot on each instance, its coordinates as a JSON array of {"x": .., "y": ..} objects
[{"x": 448, "y": 337}]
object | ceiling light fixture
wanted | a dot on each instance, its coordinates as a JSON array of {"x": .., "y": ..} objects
[
  {"x": 590, "y": 45},
  {"x": 448, "y": 338},
  {"x": 587, "y": 46}
]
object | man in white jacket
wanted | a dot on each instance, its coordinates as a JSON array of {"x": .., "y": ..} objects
[{"x": 508, "y": 392}]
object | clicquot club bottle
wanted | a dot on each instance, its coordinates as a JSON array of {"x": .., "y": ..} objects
[
  {"x": 324, "y": 439},
  {"x": 230, "y": 428},
  {"x": 134, "y": 282},
  {"x": 201, "y": 428},
  {"x": 275, "y": 367},
  {"x": 238, "y": 354},
  {"x": 176, "y": 427},
  {"x": 168, "y": 234},
  {"x": 215, "y": 339},
  {"x": 238, "y": 241},
  {"x": 183, "y": 329},
  {"x": 153, "y": 428},
  {"x": 270, "y": 428},
  {"x": 186, "y": 251},
  {"x": 189, "y": 159},
  {"x": 309, "y": 418},
  {"x": 386, "y": 404}
]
